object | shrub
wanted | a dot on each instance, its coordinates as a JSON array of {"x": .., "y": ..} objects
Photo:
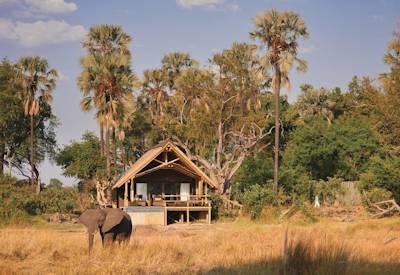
[
  {"x": 18, "y": 200},
  {"x": 56, "y": 198},
  {"x": 257, "y": 197},
  {"x": 328, "y": 190},
  {"x": 376, "y": 194},
  {"x": 383, "y": 173},
  {"x": 216, "y": 203}
]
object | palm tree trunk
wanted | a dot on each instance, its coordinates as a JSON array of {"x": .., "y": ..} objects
[
  {"x": 107, "y": 149},
  {"x": 2, "y": 154},
  {"x": 276, "y": 90},
  {"x": 32, "y": 158},
  {"x": 114, "y": 141},
  {"x": 102, "y": 139}
]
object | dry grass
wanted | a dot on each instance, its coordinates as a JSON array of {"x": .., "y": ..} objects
[{"x": 369, "y": 247}]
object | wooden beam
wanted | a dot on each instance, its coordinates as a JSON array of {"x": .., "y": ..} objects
[
  {"x": 187, "y": 212},
  {"x": 159, "y": 161},
  {"x": 156, "y": 168},
  {"x": 185, "y": 171},
  {"x": 165, "y": 216},
  {"x": 201, "y": 184},
  {"x": 126, "y": 195},
  {"x": 165, "y": 156},
  {"x": 132, "y": 190}
]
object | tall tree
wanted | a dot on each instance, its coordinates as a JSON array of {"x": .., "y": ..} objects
[
  {"x": 216, "y": 115},
  {"x": 38, "y": 82},
  {"x": 278, "y": 33},
  {"x": 83, "y": 160},
  {"x": 107, "y": 82}
]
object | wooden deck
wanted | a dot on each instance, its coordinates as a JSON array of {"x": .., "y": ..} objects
[{"x": 172, "y": 203}]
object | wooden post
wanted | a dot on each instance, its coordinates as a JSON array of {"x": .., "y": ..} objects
[
  {"x": 126, "y": 195},
  {"x": 132, "y": 190},
  {"x": 209, "y": 215},
  {"x": 165, "y": 216},
  {"x": 187, "y": 212},
  {"x": 163, "y": 189},
  {"x": 201, "y": 188}
]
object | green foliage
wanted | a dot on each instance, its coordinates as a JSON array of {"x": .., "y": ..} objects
[
  {"x": 257, "y": 197},
  {"x": 376, "y": 194},
  {"x": 16, "y": 201},
  {"x": 328, "y": 190},
  {"x": 338, "y": 150},
  {"x": 55, "y": 198},
  {"x": 19, "y": 201},
  {"x": 254, "y": 170},
  {"x": 82, "y": 159},
  {"x": 382, "y": 173},
  {"x": 216, "y": 203}
]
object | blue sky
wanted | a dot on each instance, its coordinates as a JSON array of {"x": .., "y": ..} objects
[{"x": 347, "y": 38}]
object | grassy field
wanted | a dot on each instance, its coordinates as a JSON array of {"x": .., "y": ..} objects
[{"x": 328, "y": 247}]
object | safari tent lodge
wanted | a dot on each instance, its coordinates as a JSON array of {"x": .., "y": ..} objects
[{"x": 164, "y": 186}]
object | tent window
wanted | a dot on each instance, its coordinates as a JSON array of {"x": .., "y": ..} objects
[
  {"x": 141, "y": 192},
  {"x": 185, "y": 191}
]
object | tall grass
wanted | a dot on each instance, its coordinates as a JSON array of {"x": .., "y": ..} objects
[{"x": 329, "y": 248}]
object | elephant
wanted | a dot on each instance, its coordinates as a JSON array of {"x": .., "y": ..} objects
[{"x": 113, "y": 224}]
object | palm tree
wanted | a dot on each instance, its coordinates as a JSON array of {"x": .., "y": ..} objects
[
  {"x": 38, "y": 82},
  {"x": 106, "y": 82},
  {"x": 278, "y": 33}
]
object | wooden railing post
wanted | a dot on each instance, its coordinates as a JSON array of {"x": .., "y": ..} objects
[
  {"x": 126, "y": 195},
  {"x": 132, "y": 190}
]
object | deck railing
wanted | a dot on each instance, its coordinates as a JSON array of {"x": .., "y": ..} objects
[
  {"x": 186, "y": 200},
  {"x": 174, "y": 201}
]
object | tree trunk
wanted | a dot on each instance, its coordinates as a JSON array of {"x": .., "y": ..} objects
[
  {"x": 34, "y": 171},
  {"x": 2, "y": 154},
  {"x": 107, "y": 149},
  {"x": 108, "y": 162},
  {"x": 102, "y": 139},
  {"x": 276, "y": 90}
]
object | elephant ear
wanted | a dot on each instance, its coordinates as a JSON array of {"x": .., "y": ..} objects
[
  {"x": 92, "y": 219},
  {"x": 113, "y": 217}
]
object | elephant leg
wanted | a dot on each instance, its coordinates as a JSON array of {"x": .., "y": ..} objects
[
  {"x": 109, "y": 238},
  {"x": 123, "y": 237},
  {"x": 90, "y": 238}
]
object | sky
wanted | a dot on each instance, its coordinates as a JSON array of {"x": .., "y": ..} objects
[{"x": 347, "y": 38}]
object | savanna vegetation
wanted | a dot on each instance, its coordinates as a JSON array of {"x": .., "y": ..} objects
[
  {"x": 273, "y": 156},
  {"x": 228, "y": 115}
]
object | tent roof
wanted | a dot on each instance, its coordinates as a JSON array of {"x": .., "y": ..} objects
[{"x": 151, "y": 154}]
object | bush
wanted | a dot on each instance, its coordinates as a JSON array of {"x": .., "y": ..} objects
[
  {"x": 19, "y": 201},
  {"x": 16, "y": 200},
  {"x": 383, "y": 173},
  {"x": 216, "y": 203},
  {"x": 56, "y": 198},
  {"x": 257, "y": 197},
  {"x": 328, "y": 190},
  {"x": 376, "y": 194}
]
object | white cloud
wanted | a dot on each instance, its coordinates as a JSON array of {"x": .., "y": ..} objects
[
  {"x": 7, "y": 2},
  {"x": 210, "y": 4},
  {"x": 38, "y": 8},
  {"x": 40, "y": 32},
  {"x": 51, "y": 6},
  {"x": 199, "y": 3}
]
